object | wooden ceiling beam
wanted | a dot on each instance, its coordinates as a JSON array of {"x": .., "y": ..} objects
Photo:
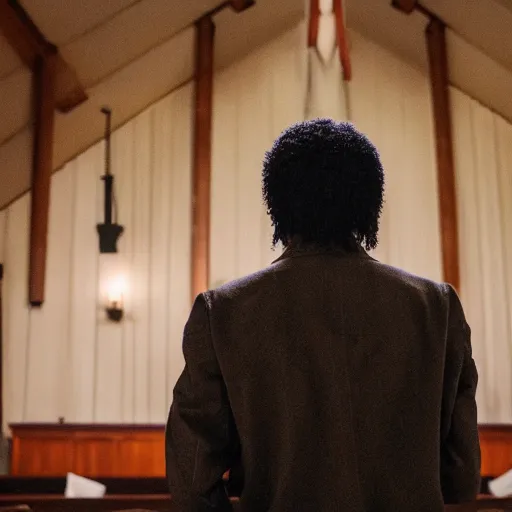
[
  {"x": 44, "y": 104},
  {"x": 241, "y": 5},
  {"x": 406, "y": 6},
  {"x": 30, "y": 45}
]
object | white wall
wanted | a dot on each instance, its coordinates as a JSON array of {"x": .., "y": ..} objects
[
  {"x": 65, "y": 359},
  {"x": 254, "y": 100},
  {"x": 483, "y": 159},
  {"x": 390, "y": 101}
]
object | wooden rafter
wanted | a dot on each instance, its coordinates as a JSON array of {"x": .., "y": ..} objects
[
  {"x": 314, "y": 22},
  {"x": 201, "y": 173},
  {"x": 342, "y": 40},
  {"x": 44, "y": 92},
  {"x": 30, "y": 44}
]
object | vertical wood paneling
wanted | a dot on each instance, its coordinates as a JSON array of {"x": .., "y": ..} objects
[
  {"x": 161, "y": 194},
  {"x": 143, "y": 159},
  {"x": 254, "y": 101},
  {"x": 390, "y": 102},
  {"x": 124, "y": 165},
  {"x": 16, "y": 313},
  {"x": 48, "y": 345},
  {"x": 84, "y": 285},
  {"x": 223, "y": 216},
  {"x": 181, "y": 228},
  {"x": 504, "y": 155},
  {"x": 3, "y": 225},
  {"x": 254, "y": 137},
  {"x": 108, "y": 353},
  {"x": 469, "y": 234},
  {"x": 484, "y": 191}
]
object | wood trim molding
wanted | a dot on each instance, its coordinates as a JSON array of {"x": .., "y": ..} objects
[
  {"x": 438, "y": 64},
  {"x": 30, "y": 44},
  {"x": 341, "y": 35},
  {"x": 201, "y": 171},
  {"x": 44, "y": 96}
]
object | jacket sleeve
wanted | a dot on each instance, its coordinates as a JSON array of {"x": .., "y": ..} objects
[
  {"x": 460, "y": 447},
  {"x": 200, "y": 432}
]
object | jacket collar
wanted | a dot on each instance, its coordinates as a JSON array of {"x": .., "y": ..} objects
[{"x": 296, "y": 250}]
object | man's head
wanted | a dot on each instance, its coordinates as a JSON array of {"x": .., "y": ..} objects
[{"x": 323, "y": 183}]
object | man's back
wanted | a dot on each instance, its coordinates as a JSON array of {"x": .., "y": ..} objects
[{"x": 343, "y": 378}]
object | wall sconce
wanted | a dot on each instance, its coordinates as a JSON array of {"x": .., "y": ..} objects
[
  {"x": 110, "y": 231},
  {"x": 115, "y": 293}
]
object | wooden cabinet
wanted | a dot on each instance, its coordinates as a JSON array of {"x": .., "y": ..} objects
[
  {"x": 496, "y": 447},
  {"x": 88, "y": 450}
]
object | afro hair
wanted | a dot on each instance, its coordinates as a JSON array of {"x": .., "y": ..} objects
[{"x": 323, "y": 182}]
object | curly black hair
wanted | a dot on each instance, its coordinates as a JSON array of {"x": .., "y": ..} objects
[{"x": 323, "y": 182}]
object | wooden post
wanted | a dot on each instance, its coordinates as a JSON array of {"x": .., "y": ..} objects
[
  {"x": 438, "y": 62},
  {"x": 44, "y": 101},
  {"x": 201, "y": 173},
  {"x": 341, "y": 37}
]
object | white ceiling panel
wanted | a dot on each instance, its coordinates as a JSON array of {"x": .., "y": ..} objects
[
  {"x": 63, "y": 20},
  {"x": 9, "y": 60},
  {"x": 127, "y": 92},
  {"x": 486, "y": 24},
  {"x": 16, "y": 100},
  {"x": 402, "y": 34},
  {"x": 238, "y": 34},
  {"x": 16, "y": 166},
  {"x": 476, "y": 74},
  {"x": 129, "y": 35}
]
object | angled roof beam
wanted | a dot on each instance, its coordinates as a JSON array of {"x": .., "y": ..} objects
[{"x": 31, "y": 45}]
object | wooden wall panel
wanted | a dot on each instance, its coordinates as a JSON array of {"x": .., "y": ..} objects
[
  {"x": 88, "y": 450},
  {"x": 181, "y": 228},
  {"x": 48, "y": 347},
  {"x": 254, "y": 100},
  {"x": 496, "y": 447},
  {"x": 15, "y": 316},
  {"x": 3, "y": 225},
  {"x": 484, "y": 193},
  {"x": 390, "y": 102},
  {"x": 160, "y": 205},
  {"x": 84, "y": 285},
  {"x": 123, "y": 165},
  {"x": 143, "y": 158}
]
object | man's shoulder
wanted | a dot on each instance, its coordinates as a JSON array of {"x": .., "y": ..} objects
[
  {"x": 237, "y": 286},
  {"x": 401, "y": 275}
]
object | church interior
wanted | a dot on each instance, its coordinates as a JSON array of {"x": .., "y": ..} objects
[{"x": 131, "y": 145}]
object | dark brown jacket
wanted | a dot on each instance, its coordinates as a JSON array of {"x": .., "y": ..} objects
[{"x": 339, "y": 383}]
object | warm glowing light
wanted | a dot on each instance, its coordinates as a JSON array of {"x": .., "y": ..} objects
[{"x": 116, "y": 290}]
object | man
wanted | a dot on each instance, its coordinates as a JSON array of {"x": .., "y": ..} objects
[{"x": 335, "y": 382}]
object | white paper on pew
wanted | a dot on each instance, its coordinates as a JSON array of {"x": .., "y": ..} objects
[
  {"x": 80, "y": 487},
  {"x": 502, "y": 486}
]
